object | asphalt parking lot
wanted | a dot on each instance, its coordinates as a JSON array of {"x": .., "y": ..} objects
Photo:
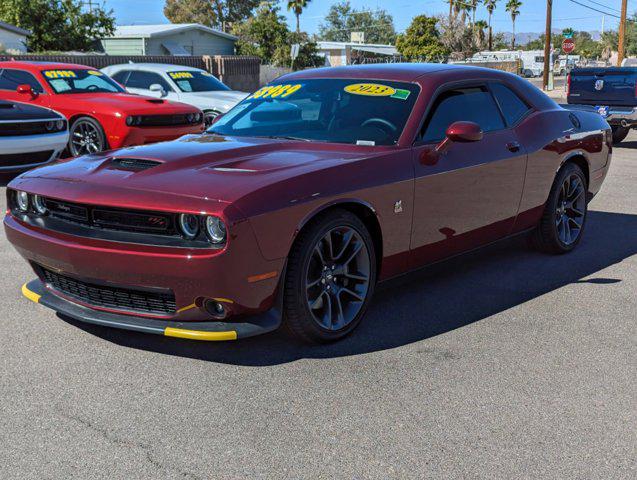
[{"x": 503, "y": 363}]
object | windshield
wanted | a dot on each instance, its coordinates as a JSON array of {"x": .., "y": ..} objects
[
  {"x": 80, "y": 81},
  {"x": 193, "y": 81},
  {"x": 362, "y": 112}
]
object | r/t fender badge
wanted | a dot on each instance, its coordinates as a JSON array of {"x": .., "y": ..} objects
[{"x": 398, "y": 206}]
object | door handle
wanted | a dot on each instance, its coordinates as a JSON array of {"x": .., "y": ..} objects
[{"x": 513, "y": 147}]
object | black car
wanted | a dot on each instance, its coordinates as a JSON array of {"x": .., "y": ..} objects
[{"x": 29, "y": 136}]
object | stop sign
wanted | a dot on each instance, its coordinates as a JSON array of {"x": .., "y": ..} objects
[{"x": 568, "y": 45}]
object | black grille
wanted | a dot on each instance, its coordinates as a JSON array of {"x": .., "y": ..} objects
[
  {"x": 143, "y": 222},
  {"x": 23, "y": 128},
  {"x": 133, "y": 164},
  {"x": 115, "y": 298},
  {"x": 18, "y": 159},
  {"x": 164, "y": 120}
]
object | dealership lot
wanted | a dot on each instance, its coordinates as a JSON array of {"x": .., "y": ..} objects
[{"x": 503, "y": 363}]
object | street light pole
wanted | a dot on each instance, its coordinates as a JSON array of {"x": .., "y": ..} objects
[
  {"x": 547, "y": 45},
  {"x": 622, "y": 34}
]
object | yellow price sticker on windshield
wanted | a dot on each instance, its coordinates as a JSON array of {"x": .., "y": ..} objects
[
  {"x": 97, "y": 73},
  {"x": 59, "y": 74},
  {"x": 370, "y": 90},
  {"x": 180, "y": 75},
  {"x": 275, "y": 91}
]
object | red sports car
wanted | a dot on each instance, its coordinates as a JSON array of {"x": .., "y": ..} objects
[
  {"x": 101, "y": 114},
  {"x": 297, "y": 201}
]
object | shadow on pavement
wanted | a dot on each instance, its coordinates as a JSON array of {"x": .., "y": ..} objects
[
  {"x": 430, "y": 302},
  {"x": 631, "y": 144}
]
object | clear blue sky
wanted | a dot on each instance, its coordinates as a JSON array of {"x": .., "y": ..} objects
[{"x": 532, "y": 17}]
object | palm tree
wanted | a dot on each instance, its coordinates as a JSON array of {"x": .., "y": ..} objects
[
  {"x": 490, "y": 4},
  {"x": 297, "y": 7},
  {"x": 478, "y": 33},
  {"x": 473, "y": 6},
  {"x": 513, "y": 7}
]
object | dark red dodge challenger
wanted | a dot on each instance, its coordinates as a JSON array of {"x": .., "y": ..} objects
[{"x": 294, "y": 204}]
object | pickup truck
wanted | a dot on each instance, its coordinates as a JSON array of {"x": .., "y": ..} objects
[{"x": 612, "y": 92}]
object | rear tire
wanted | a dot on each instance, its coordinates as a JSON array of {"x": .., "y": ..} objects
[
  {"x": 330, "y": 278},
  {"x": 619, "y": 133},
  {"x": 562, "y": 224}
]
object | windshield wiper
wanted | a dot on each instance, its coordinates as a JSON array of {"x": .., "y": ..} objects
[{"x": 289, "y": 137}]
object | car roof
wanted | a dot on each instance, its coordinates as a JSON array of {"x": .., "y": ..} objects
[
  {"x": 35, "y": 65},
  {"x": 155, "y": 67},
  {"x": 387, "y": 71}
]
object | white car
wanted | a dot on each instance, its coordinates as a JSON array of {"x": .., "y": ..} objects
[
  {"x": 29, "y": 136},
  {"x": 179, "y": 83}
]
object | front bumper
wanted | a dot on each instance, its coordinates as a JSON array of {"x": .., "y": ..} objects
[
  {"x": 268, "y": 321},
  {"x": 24, "y": 144},
  {"x": 144, "y": 135}
]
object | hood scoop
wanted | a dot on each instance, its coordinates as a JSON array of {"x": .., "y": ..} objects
[
  {"x": 155, "y": 100},
  {"x": 133, "y": 164}
]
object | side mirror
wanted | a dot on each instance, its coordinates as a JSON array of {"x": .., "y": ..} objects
[
  {"x": 157, "y": 88},
  {"x": 26, "y": 89},
  {"x": 461, "y": 132}
]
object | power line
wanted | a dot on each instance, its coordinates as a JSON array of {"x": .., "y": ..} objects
[
  {"x": 603, "y": 5},
  {"x": 594, "y": 9}
]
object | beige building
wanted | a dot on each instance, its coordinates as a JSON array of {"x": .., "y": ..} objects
[{"x": 341, "y": 53}]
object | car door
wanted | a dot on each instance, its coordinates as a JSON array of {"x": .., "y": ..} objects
[
  {"x": 469, "y": 195},
  {"x": 11, "y": 78}
]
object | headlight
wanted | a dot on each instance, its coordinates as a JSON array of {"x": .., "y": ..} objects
[
  {"x": 190, "y": 117},
  {"x": 133, "y": 120},
  {"x": 49, "y": 126},
  {"x": 22, "y": 201},
  {"x": 189, "y": 225},
  {"x": 198, "y": 118},
  {"x": 216, "y": 230},
  {"x": 60, "y": 125},
  {"x": 38, "y": 205}
]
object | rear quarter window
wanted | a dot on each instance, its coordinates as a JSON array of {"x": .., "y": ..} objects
[{"x": 513, "y": 107}]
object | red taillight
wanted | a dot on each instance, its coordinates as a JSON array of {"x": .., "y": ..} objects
[{"x": 568, "y": 84}]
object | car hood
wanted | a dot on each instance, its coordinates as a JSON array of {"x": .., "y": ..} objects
[
  {"x": 219, "y": 100},
  {"x": 125, "y": 102},
  {"x": 190, "y": 171}
]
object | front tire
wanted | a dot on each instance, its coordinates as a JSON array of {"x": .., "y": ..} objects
[
  {"x": 562, "y": 225},
  {"x": 619, "y": 133},
  {"x": 330, "y": 278},
  {"x": 86, "y": 136}
]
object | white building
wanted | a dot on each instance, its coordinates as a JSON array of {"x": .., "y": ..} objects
[
  {"x": 341, "y": 53},
  {"x": 12, "y": 38}
]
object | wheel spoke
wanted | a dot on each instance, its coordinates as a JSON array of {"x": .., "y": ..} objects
[
  {"x": 347, "y": 239},
  {"x": 356, "y": 277},
  {"x": 317, "y": 250},
  {"x": 357, "y": 249},
  {"x": 339, "y": 311},
  {"x": 353, "y": 294},
  {"x": 318, "y": 303},
  {"x": 313, "y": 283}
]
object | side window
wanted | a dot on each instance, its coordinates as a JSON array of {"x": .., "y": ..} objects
[
  {"x": 140, "y": 79},
  {"x": 512, "y": 106},
  {"x": 121, "y": 77},
  {"x": 10, "y": 79},
  {"x": 463, "y": 104}
]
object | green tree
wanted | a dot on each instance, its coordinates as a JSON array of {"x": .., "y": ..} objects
[
  {"x": 59, "y": 25},
  {"x": 266, "y": 35},
  {"x": 490, "y": 4},
  {"x": 513, "y": 7},
  {"x": 220, "y": 14},
  {"x": 342, "y": 20},
  {"x": 421, "y": 41},
  {"x": 297, "y": 7}
]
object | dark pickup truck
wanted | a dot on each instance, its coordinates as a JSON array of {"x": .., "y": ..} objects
[{"x": 612, "y": 92}]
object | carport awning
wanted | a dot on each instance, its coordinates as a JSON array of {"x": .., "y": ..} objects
[
  {"x": 173, "y": 48},
  {"x": 376, "y": 49}
]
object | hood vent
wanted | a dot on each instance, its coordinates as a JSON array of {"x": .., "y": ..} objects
[
  {"x": 155, "y": 100},
  {"x": 133, "y": 164}
]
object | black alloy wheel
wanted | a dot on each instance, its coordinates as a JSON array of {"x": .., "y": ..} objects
[
  {"x": 330, "y": 278},
  {"x": 86, "y": 136}
]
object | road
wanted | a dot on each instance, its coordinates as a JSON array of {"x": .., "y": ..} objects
[{"x": 504, "y": 363}]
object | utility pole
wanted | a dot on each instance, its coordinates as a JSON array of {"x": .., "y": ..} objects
[
  {"x": 547, "y": 45},
  {"x": 622, "y": 34}
]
